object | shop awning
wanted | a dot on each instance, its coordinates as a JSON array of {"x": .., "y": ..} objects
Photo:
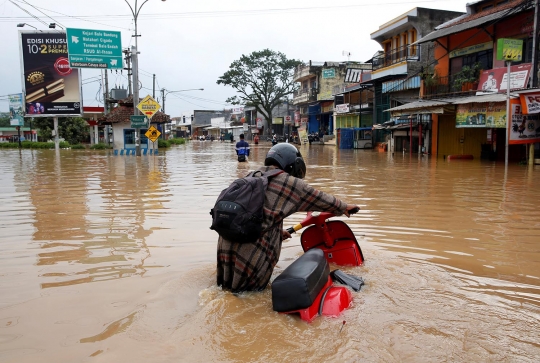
[
  {"x": 423, "y": 106},
  {"x": 495, "y": 97}
]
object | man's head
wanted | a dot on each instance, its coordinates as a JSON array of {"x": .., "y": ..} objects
[
  {"x": 241, "y": 136},
  {"x": 286, "y": 157}
]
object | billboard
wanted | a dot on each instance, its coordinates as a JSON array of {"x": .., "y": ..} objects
[
  {"x": 16, "y": 110},
  {"x": 481, "y": 114},
  {"x": 524, "y": 129},
  {"x": 495, "y": 80},
  {"x": 50, "y": 86}
]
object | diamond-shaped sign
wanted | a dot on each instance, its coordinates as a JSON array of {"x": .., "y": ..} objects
[
  {"x": 148, "y": 106},
  {"x": 152, "y": 134}
]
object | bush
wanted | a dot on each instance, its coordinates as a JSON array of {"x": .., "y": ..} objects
[
  {"x": 177, "y": 141},
  {"x": 163, "y": 144},
  {"x": 78, "y": 147},
  {"x": 99, "y": 146}
]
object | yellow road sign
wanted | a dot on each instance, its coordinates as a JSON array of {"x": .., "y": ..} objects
[
  {"x": 152, "y": 133},
  {"x": 148, "y": 106}
]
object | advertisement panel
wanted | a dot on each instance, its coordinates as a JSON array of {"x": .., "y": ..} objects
[
  {"x": 51, "y": 87},
  {"x": 485, "y": 114},
  {"x": 524, "y": 129},
  {"x": 530, "y": 102},
  {"x": 495, "y": 80},
  {"x": 16, "y": 110}
]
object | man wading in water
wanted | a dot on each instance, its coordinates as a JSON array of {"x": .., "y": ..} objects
[{"x": 248, "y": 266}]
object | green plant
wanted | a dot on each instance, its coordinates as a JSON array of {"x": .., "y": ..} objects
[
  {"x": 163, "y": 143},
  {"x": 431, "y": 80},
  {"x": 177, "y": 141},
  {"x": 78, "y": 147},
  {"x": 468, "y": 74},
  {"x": 99, "y": 146}
]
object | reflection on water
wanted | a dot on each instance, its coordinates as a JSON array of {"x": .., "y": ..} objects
[{"x": 101, "y": 254}]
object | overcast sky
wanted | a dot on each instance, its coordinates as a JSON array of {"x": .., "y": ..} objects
[{"x": 190, "y": 44}]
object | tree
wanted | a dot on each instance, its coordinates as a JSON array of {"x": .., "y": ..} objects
[
  {"x": 73, "y": 129},
  {"x": 263, "y": 80}
]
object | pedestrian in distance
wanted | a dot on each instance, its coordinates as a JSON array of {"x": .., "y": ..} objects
[
  {"x": 242, "y": 149},
  {"x": 245, "y": 266}
]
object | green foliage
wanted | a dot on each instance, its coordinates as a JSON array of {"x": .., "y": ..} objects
[
  {"x": 73, "y": 129},
  {"x": 78, "y": 147},
  {"x": 163, "y": 143},
  {"x": 4, "y": 119},
  {"x": 468, "y": 74},
  {"x": 262, "y": 79},
  {"x": 100, "y": 146},
  {"x": 177, "y": 141},
  {"x": 28, "y": 145}
]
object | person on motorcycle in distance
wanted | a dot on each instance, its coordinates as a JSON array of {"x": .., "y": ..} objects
[{"x": 248, "y": 266}]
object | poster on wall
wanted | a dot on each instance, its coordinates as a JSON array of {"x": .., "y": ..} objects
[
  {"x": 484, "y": 114},
  {"x": 50, "y": 86},
  {"x": 524, "y": 129},
  {"x": 495, "y": 80}
]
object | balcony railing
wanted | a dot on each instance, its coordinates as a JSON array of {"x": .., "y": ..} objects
[
  {"x": 398, "y": 55},
  {"x": 304, "y": 95},
  {"x": 441, "y": 86}
]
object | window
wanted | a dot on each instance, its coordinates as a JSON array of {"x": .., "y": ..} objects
[{"x": 129, "y": 138}]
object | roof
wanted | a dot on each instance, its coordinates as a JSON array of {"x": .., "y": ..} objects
[
  {"x": 473, "y": 21},
  {"x": 439, "y": 105}
]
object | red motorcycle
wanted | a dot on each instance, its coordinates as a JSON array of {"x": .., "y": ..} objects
[{"x": 307, "y": 287}]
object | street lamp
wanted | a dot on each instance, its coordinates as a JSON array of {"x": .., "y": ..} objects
[
  {"x": 135, "y": 10},
  {"x": 165, "y": 92},
  {"x": 54, "y": 25}
]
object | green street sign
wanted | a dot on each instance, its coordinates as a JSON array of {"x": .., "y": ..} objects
[
  {"x": 94, "y": 48},
  {"x": 329, "y": 73},
  {"x": 509, "y": 49},
  {"x": 138, "y": 121}
]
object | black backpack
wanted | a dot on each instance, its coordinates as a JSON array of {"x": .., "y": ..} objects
[{"x": 238, "y": 213}]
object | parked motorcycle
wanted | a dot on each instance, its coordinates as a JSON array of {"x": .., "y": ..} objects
[{"x": 313, "y": 137}]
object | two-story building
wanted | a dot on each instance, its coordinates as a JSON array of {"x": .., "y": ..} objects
[
  {"x": 397, "y": 68},
  {"x": 465, "y": 96}
]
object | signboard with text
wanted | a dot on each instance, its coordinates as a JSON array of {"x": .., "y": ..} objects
[
  {"x": 16, "y": 110},
  {"x": 481, "y": 114},
  {"x": 94, "y": 48},
  {"x": 51, "y": 86},
  {"x": 138, "y": 121},
  {"x": 495, "y": 80},
  {"x": 149, "y": 106},
  {"x": 530, "y": 102},
  {"x": 510, "y": 49},
  {"x": 524, "y": 129}
]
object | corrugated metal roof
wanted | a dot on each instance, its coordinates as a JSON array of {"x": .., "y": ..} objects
[
  {"x": 421, "y": 104},
  {"x": 461, "y": 27},
  {"x": 496, "y": 97}
]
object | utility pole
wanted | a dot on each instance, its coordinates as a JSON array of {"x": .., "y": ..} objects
[
  {"x": 135, "y": 59},
  {"x": 128, "y": 69},
  {"x": 154, "y": 87},
  {"x": 163, "y": 100}
]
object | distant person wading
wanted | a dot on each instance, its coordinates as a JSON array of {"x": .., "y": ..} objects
[{"x": 242, "y": 149}]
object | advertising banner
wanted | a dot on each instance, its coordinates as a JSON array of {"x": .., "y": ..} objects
[
  {"x": 259, "y": 123},
  {"x": 51, "y": 87},
  {"x": 485, "y": 114},
  {"x": 16, "y": 110},
  {"x": 277, "y": 121},
  {"x": 524, "y": 129},
  {"x": 530, "y": 103},
  {"x": 495, "y": 80}
]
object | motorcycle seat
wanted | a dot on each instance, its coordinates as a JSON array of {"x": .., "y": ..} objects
[{"x": 299, "y": 284}]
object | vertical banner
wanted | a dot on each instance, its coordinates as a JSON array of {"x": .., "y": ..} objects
[
  {"x": 524, "y": 129},
  {"x": 51, "y": 87},
  {"x": 16, "y": 110}
]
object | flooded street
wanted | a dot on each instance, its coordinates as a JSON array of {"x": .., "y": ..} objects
[{"x": 110, "y": 259}]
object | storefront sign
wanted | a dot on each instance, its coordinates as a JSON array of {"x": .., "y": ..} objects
[
  {"x": 510, "y": 49},
  {"x": 343, "y": 108},
  {"x": 259, "y": 123},
  {"x": 470, "y": 50},
  {"x": 495, "y": 80},
  {"x": 524, "y": 129},
  {"x": 288, "y": 120},
  {"x": 277, "y": 121},
  {"x": 530, "y": 103},
  {"x": 486, "y": 114},
  {"x": 51, "y": 87}
]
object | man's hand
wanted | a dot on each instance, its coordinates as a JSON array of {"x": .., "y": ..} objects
[
  {"x": 351, "y": 209},
  {"x": 285, "y": 235}
]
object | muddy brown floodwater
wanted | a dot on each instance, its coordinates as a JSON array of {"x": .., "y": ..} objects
[{"x": 110, "y": 259}]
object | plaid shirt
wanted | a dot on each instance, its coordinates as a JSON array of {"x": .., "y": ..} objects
[{"x": 249, "y": 266}]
